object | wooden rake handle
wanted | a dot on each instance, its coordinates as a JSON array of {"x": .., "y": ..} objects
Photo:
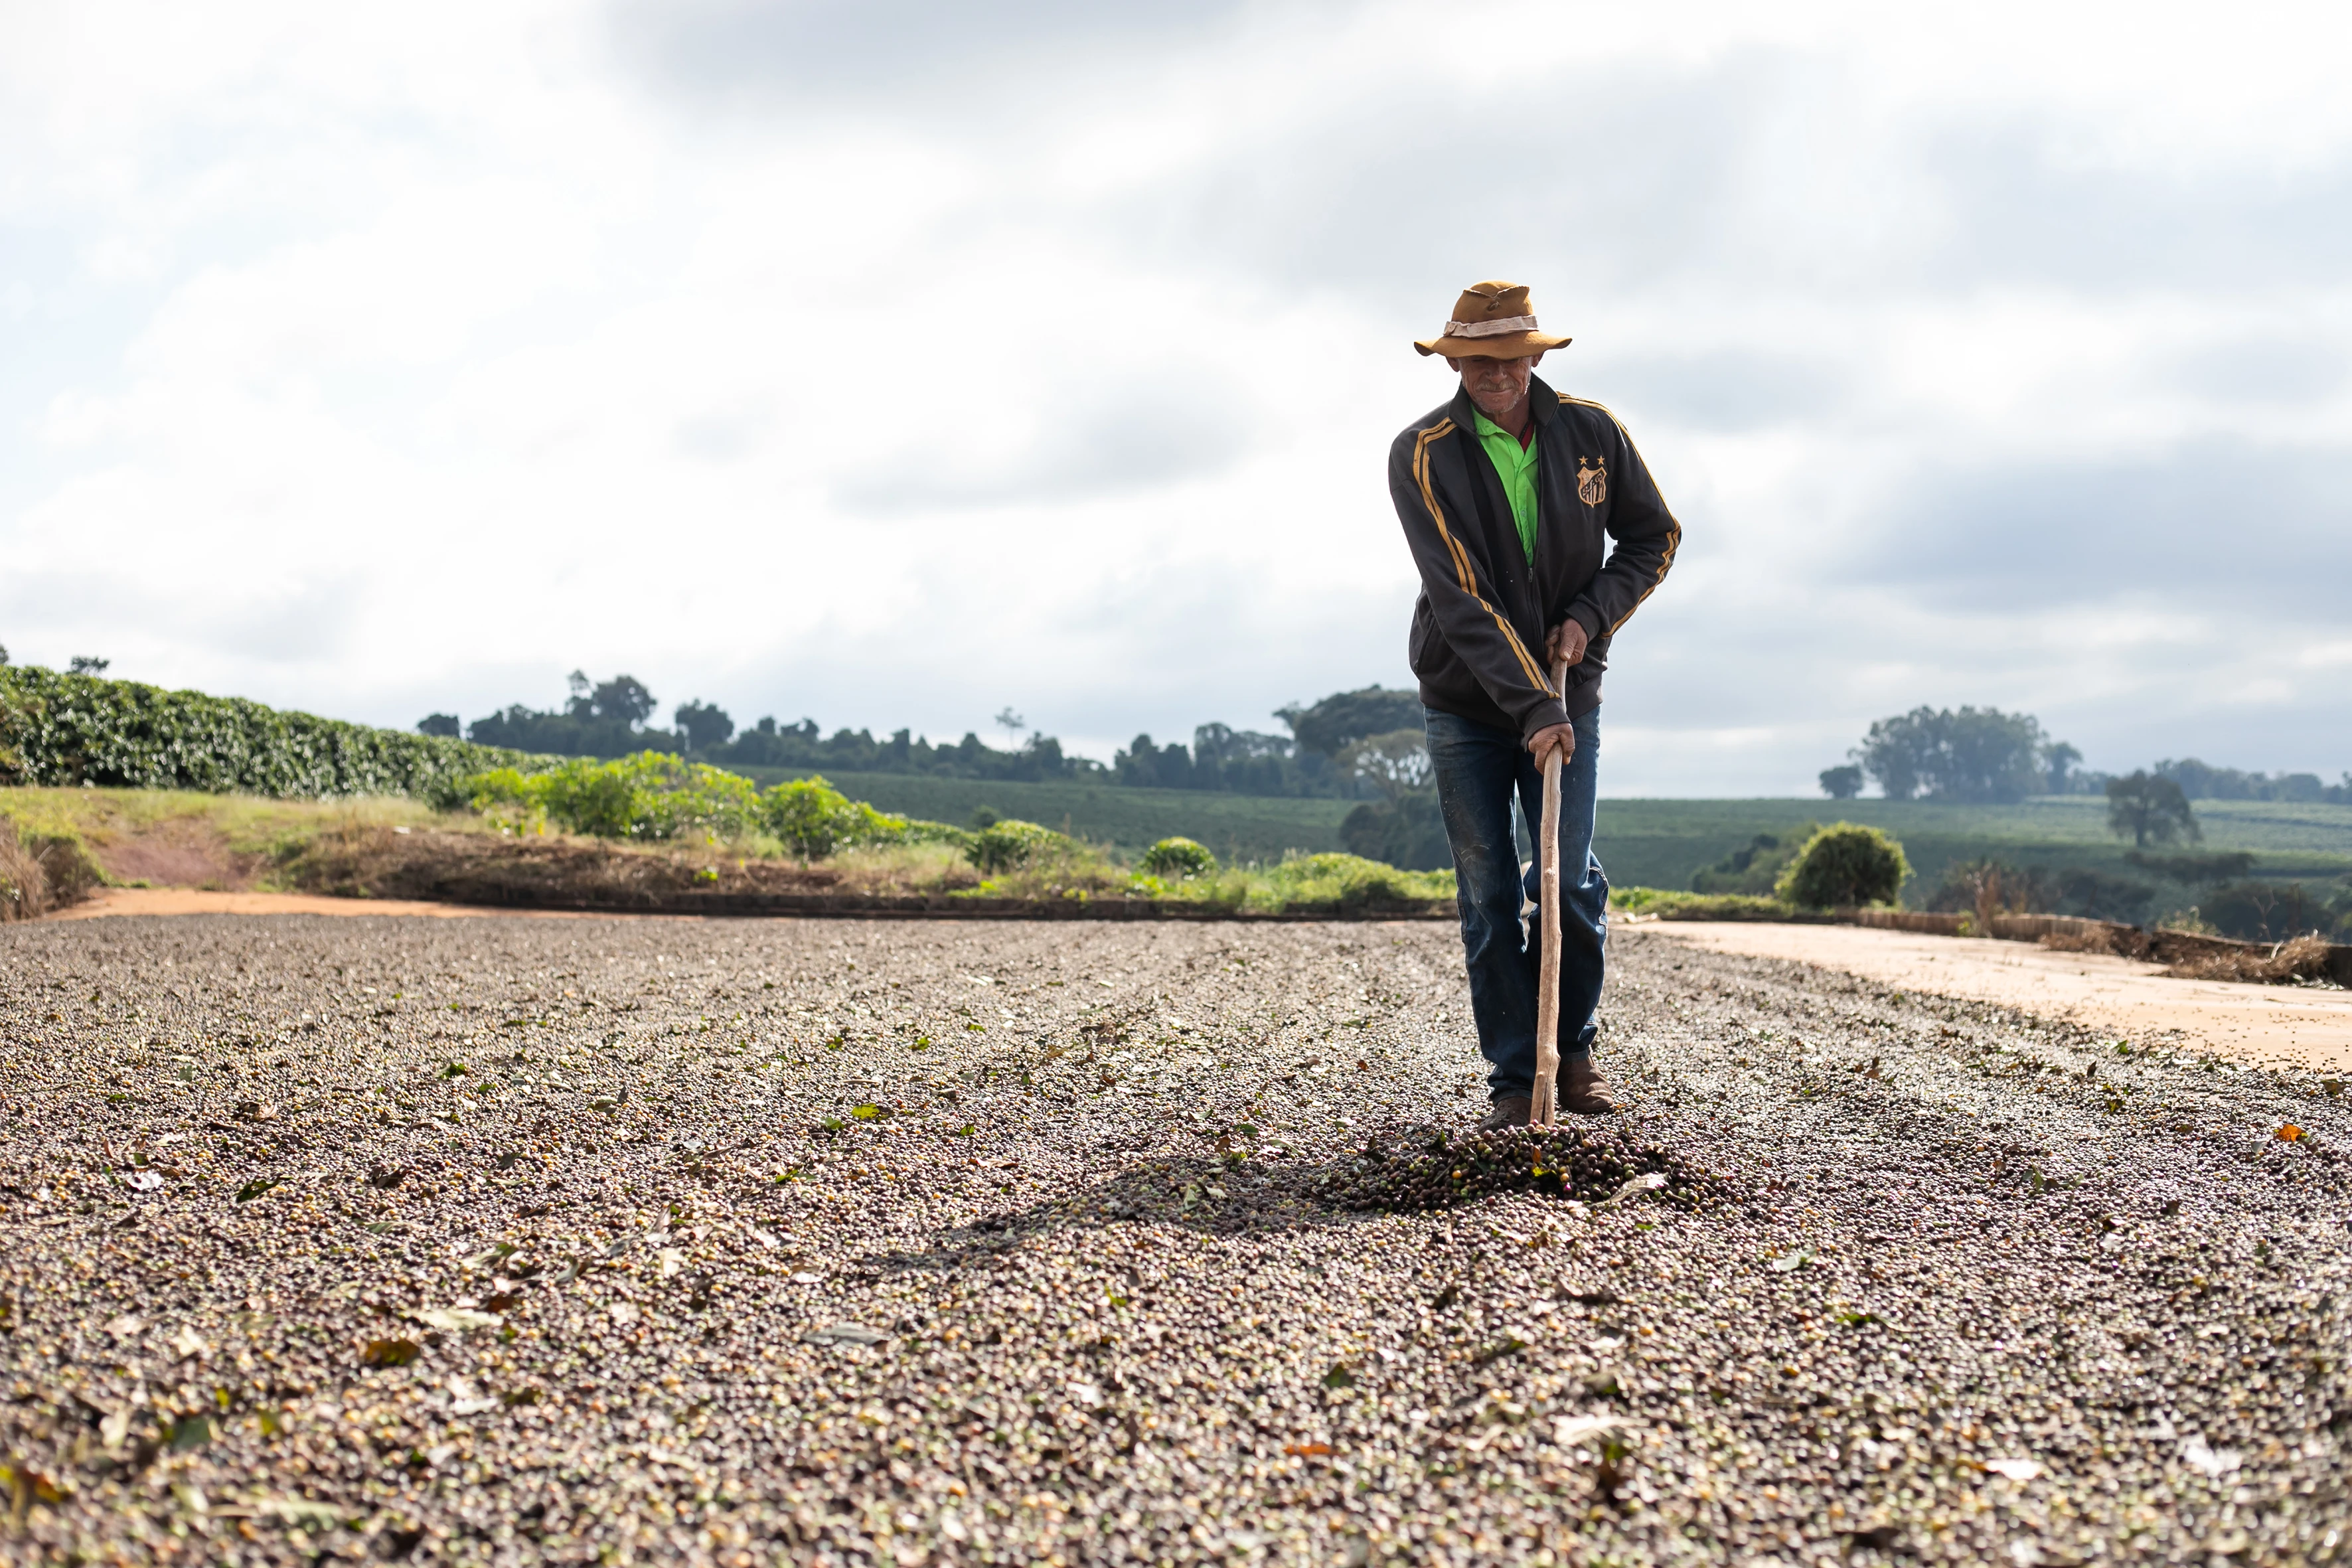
[{"x": 1543, "y": 1107}]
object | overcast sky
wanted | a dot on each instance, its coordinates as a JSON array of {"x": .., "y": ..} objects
[{"x": 892, "y": 361}]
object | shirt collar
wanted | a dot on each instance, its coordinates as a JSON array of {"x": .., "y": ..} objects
[
  {"x": 1487, "y": 428},
  {"x": 1465, "y": 415}
]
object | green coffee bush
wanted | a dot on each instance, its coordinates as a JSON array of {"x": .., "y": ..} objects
[
  {"x": 655, "y": 796},
  {"x": 85, "y": 730},
  {"x": 815, "y": 820},
  {"x": 1179, "y": 858},
  {"x": 652, "y": 796},
  {"x": 1350, "y": 882},
  {"x": 1010, "y": 842},
  {"x": 1845, "y": 863}
]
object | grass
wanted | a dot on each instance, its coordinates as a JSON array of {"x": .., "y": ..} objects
[
  {"x": 190, "y": 840},
  {"x": 259, "y": 832}
]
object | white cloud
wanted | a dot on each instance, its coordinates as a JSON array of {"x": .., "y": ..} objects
[{"x": 843, "y": 361}]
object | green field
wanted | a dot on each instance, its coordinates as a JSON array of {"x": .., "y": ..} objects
[
  {"x": 1646, "y": 843},
  {"x": 1659, "y": 843}
]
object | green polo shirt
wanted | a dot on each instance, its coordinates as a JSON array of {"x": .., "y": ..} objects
[{"x": 1516, "y": 465}]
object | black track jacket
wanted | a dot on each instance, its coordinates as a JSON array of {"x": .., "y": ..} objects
[{"x": 1478, "y": 628}]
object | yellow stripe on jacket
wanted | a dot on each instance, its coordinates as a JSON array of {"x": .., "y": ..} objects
[{"x": 1469, "y": 582}]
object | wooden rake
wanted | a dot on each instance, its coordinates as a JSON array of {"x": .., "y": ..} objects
[{"x": 1542, "y": 1108}]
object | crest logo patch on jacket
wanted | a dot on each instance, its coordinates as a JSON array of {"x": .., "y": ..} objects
[{"x": 1593, "y": 482}]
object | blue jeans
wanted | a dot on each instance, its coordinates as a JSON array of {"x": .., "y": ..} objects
[{"x": 1479, "y": 769}]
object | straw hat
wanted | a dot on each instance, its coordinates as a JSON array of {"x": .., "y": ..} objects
[{"x": 1491, "y": 321}]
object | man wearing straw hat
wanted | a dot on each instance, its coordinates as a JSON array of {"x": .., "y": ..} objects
[{"x": 1537, "y": 532}]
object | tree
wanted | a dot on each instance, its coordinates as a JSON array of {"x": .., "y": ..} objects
[
  {"x": 2145, "y": 808},
  {"x": 1011, "y": 723},
  {"x": 1987, "y": 755},
  {"x": 1842, "y": 782},
  {"x": 1970, "y": 754},
  {"x": 1152, "y": 766},
  {"x": 1405, "y": 828},
  {"x": 1330, "y": 725},
  {"x": 1396, "y": 763},
  {"x": 600, "y": 719},
  {"x": 703, "y": 724},
  {"x": 623, "y": 700},
  {"x": 1896, "y": 751},
  {"x": 2202, "y": 781},
  {"x": 83, "y": 664},
  {"x": 2058, "y": 760},
  {"x": 439, "y": 724}
]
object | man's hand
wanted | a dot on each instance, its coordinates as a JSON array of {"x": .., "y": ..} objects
[
  {"x": 1565, "y": 644},
  {"x": 1553, "y": 737}
]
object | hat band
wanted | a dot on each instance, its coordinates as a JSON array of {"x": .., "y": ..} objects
[{"x": 1494, "y": 329}]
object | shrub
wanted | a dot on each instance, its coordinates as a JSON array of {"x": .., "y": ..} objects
[
  {"x": 2264, "y": 911},
  {"x": 1179, "y": 858},
  {"x": 1985, "y": 888},
  {"x": 84, "y": 730},
  {"x": 1756, "y": 868},
  {"x": 1010, "y": 842},
  {"x": 1845, "y": 863},
  {"x": 1353, "y": 882},
  {"x": 652, "y": 796},
  {"x": 915, "y": 830},
  {"x": 655, "y": 796},
  {"x": 2099, "y": 895},
  {"x": 815, "y": 820}
]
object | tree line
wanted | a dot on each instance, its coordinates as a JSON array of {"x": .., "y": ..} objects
[
  {"x": 1984, "y": 755},
  {"x": 615, "y": 717}
]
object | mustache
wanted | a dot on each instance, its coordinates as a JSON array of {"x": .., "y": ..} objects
[{"x": 1499, "y": 392}]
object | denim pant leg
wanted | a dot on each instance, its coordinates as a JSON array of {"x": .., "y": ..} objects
[
  {"x": 1478, "y": 770},
  {"x": 1584, "y": 894}
]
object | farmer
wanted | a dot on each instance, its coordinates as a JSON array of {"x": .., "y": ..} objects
[{"x": 1537, "y": 532}]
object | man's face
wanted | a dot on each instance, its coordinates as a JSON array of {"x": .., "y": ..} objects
[{"x": 1497, "y": 386}]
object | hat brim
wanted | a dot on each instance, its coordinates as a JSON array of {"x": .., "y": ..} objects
[{"x": 1509, "y": 345}]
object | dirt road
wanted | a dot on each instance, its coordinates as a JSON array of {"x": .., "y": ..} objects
[
  {"x": 2278, "y": 1025},
  {"x": 502, "y": 1241}
]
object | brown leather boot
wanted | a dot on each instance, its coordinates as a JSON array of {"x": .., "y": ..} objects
[
  {"x": 1582, "y": 1089},
  {"x": 1510, "y": 1111}
]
